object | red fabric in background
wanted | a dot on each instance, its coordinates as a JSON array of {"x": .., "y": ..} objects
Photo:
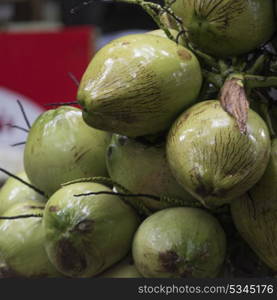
[{"x": 37, "y": 64}]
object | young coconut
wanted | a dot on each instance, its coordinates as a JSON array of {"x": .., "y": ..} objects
[
  {"x": 87, "y": 234},
  {"x": 61, "y": 147},
  {"x": 255, "y": 214},
  {"x": 227, "y": 27},
  {"x": 179, "y": 242},
  {"x": 138, "y": 84},
  {"x": 22, "y": 252},
  {"x": 14, "y": 191},
  {"x": 143, "y": 169},
  {"x": 211, "y": 158}
]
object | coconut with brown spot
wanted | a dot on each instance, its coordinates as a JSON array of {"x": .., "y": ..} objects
[
  {"x": 211, "y": 158},
  {"x": 86, "y": 235},
  {"x": 179, "y": 242},
  {"x": 138, "y": 84}
]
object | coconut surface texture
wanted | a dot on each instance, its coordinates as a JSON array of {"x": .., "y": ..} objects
[
  {"x": 88, "y": 234},
  {"x": 138, "y": 84},
  {"x": 143, "y": 168},
  {"x": 211, "y": 158},
  {"x": 22, "y": 252},
  {"x": 179, "y": 242},
  {"x": 61, "y": 147},
  {"x": 14, "y": 191},
  {"x": 227, "y": 27},
  {"x": 255, "y": 213}
]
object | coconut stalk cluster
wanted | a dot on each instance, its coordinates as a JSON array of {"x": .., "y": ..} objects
[{"x": 168, "y": 168}]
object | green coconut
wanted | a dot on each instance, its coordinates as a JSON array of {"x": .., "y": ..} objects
[
  {"x": 211, "y": 158},
  {"x": 255, "y": 214},
  {"x": 14, "y": 191},
  {"x": 123, "y": 269},
  {"x": 61, "y": 147},
  {"x": 227, "y": 27},
  {"x": 142, "y": 168},
  {"x": 22, "y": 252},
  {"x": 179, "y": 242},
  {"x": 88, "y": 234},
  {"x": 138, "y": 84}
]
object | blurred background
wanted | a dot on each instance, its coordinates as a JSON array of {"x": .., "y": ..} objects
[{"x": 45, "y": 46}]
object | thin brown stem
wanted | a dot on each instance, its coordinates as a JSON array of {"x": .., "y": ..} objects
[
  {"x": 23, "y": 181},
  {"x": 22, "y": 217}
]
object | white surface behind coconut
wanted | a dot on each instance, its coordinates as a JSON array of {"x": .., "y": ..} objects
[{"x": 11, "y": 158}]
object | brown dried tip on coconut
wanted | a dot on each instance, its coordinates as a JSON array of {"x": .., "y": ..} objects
[{"x": 233, "y": 99}]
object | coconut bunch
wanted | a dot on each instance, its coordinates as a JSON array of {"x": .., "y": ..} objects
[{"x": 168, "y": 168}]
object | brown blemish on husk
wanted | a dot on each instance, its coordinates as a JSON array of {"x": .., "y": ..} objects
[
  {"x": 183, "y": 54},
  {"x": 53, "y": 208},
  {"x": 233, "y": 100},
  {"x": 169, "y": 261},
  {"x": 69, "y": 259}
]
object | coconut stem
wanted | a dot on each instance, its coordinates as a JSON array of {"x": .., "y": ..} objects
[
  {"x": 207, "y": 59},
  {"x": 119, "y": 194},
  {"x": 258, "y": 65},
  {"x": 136, "y": 203},
  {"x": 179, "y": 202},
  {"x": 73, "y": 78},
  {"x": 223, "y": 67},
  {"x": 182, "y": 31},
  {"x": 162, "y": 199},
  {"x": 61, "y": 103},
  {"x": 215, "y": 79},
  {"x": 125, "y": 193},
  {"x": 22, "y": 217},
  {"x": 256, "y": 81},
  {"x": 142, "y": 209},
  {"x": 24, "y": 114},
  {"x": 17, "y": 127},
  {"x": 23, "y": 181},
  {"x": 18, "y": 144}
]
